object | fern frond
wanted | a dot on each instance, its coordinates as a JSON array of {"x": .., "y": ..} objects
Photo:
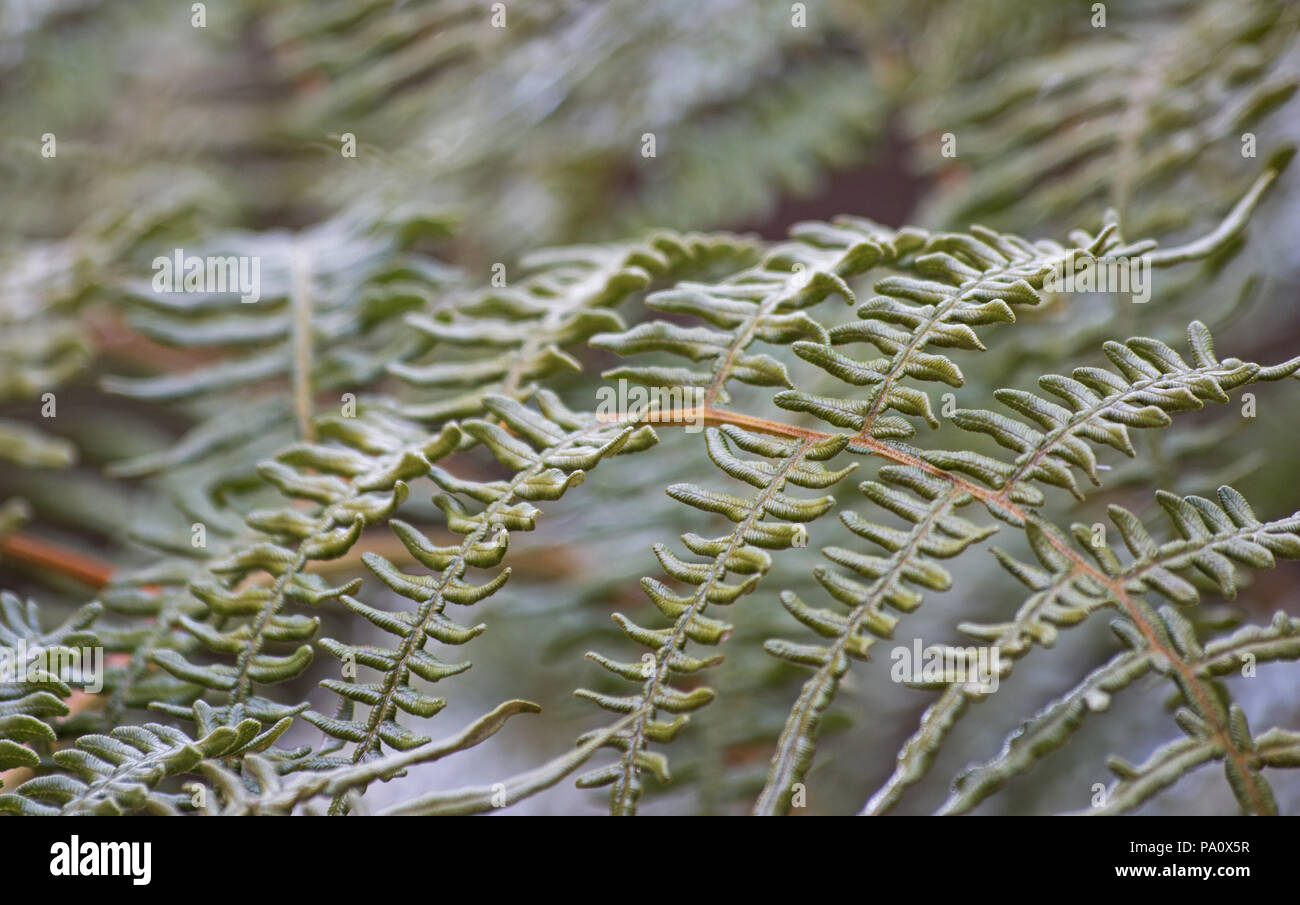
[
  {"x": 1214, "y": 538},
  {"x": 1135, "y": 785},
  {"x": 965, "y": 280},
  {"x": 586, "y": 123},
  {"x": 1124, "y": 115},
  {"x": 979, "y": 276},
  {"x": 432, "y": 69},
  {"x": 152, "y": 601},
  {"x": 569, "y": 296},
  {"x": 1051, "y": 727},
  {"x": 45, "y": 287},
  {"x": 357, "y": 479},
  {"x": 260, "y": 788},
  {"x": 327, "y": 318},
  {"x": 760, "y": 303},
  {"x": 30, "y": 699},
  {"x": 974, "y": 277},
  {"x": 936, "y": 533},
  {"x": 1152, "y": 384},
  {"x": 741, "y": 551},
  {"x": 549, "y": 451},
  {"x": 119, "y": 773}
]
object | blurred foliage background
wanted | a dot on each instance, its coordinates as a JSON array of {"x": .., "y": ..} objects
[{"x": 478, "y": 145}]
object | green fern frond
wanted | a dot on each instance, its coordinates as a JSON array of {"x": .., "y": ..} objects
[
  {"x": 260, "y": 788},
  {"x": 1214, "y": 539},
  {"x": 550, "y": 451},
  {"x": 1048, "y": 730},
  {"x": 964, "y": 281},
  {"x": 45, "y": 288},
  {"x": 279, "y": 526},
  {"x": 741, "y": 551},
  {"x": 119, "y": 773},
  {"x": 32, "y": 698},
  {"x": 568, "y": 296},
  {"x": 937, "y": 533},
  {"x": 357, "y": 476},
  {"x": 151, "y": 602},
  {"x": 1117, "y": 119},
  {"x": 432, "y": 69},
  {"x": 327, "y": 317},
  {"x": 760, "y": 303},
  {"x": 1277, "y": 748},
  {"x": 1153, "y": 383},
  {"x": 969, "y": 279}
]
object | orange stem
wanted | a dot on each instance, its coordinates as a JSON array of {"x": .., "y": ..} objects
[{"x": 43, "y": 554}]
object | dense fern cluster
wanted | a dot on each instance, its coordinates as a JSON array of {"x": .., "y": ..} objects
[{"x": 845, "y": 417}]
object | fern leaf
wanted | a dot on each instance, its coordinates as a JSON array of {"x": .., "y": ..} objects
[
  {"x": 1123, "y": 119},
  {"x": 1214, "y": 539},
  {"x": 742, "y": 550},
  {"x": 937, "y": 532},
  {"x": 1153, "y": 383},
  {"x": 356, "y": 480},
  {"x": 760, "y": 303},
  {"x": 554, "y": 454},
  {"x": 327, "y": 317},
  {"x": 261, "y": 789},
  {"x": 964, "y": 281},
  {"x": 118, "y": 773},
  {"x": 31, "y": 695},
  {"x": 1135, "y": 785},
  {"x": 570, "y": 296}
]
